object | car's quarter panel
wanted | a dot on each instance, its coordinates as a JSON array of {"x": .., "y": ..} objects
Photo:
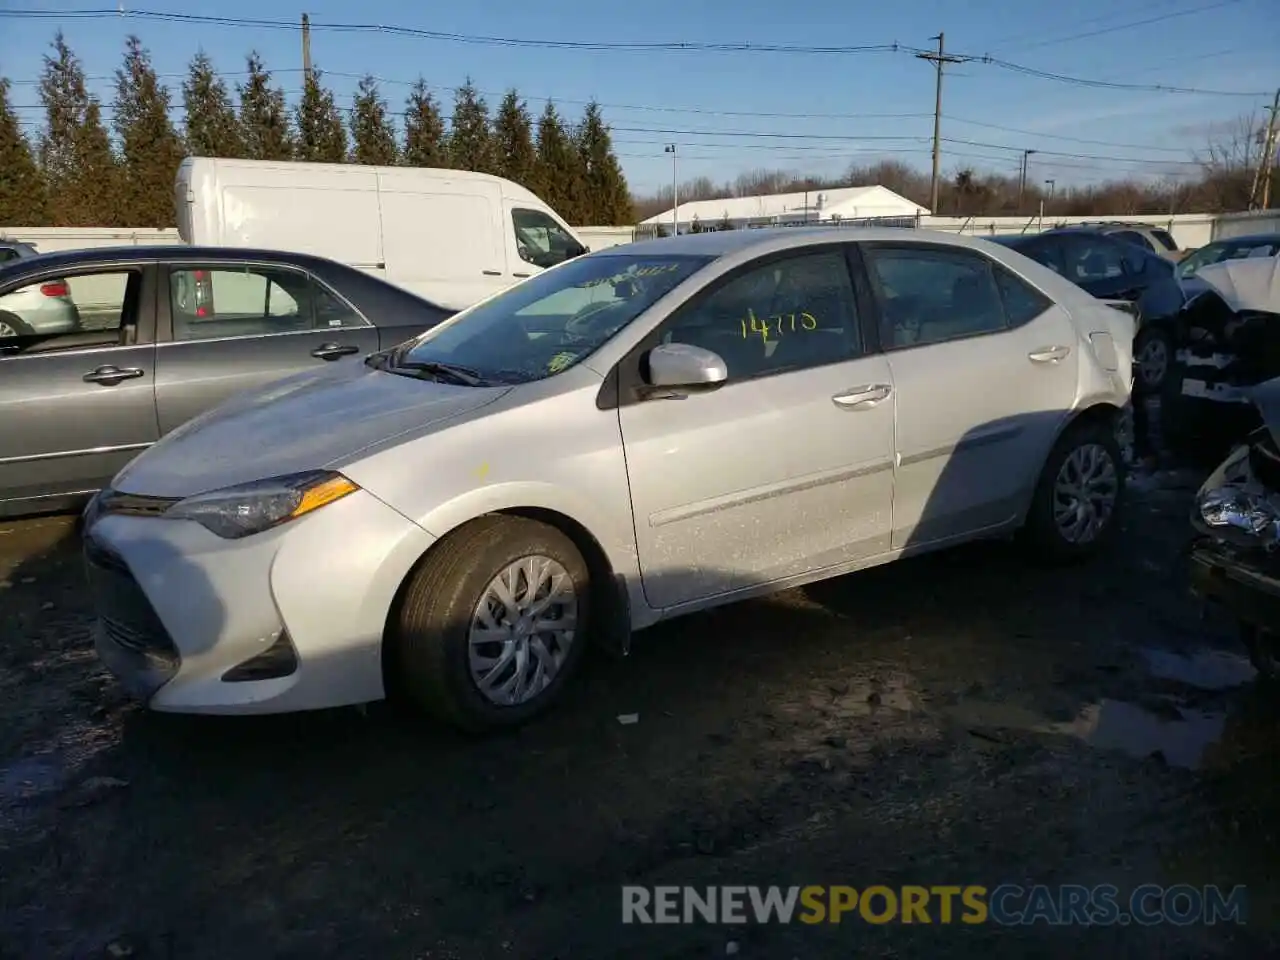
[
  {"x": 193, "y": 375},
  {"x": 542, "y": 445},
  {"x": 226, "y": 601},
  {"x": 975, "y": 415}
]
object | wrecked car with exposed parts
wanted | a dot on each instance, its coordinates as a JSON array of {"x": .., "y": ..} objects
[{"x": 1235, "y": 553}]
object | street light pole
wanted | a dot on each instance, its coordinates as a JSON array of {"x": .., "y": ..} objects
[{"x": 675, "y": 187}]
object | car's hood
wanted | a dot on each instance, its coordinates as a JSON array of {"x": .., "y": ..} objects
[{"x": 304, "y": 422}]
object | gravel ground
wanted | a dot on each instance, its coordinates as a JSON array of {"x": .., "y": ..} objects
[{"x": 962, "y": 718}]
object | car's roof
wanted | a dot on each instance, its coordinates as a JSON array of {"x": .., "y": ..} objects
[
  {"x": 168, "y": 251},
  {"x": 721, "y": 243},
  {"x": 1248, "y": 238}
]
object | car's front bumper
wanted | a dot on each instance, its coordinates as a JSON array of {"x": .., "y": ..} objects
[
  {"x": 1251, "y": 594},
  {"x": 300, "y": 609}
]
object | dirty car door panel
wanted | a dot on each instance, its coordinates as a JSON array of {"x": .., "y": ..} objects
[
  {"x": 76, "y": 407},
  {"x": 786, "y": 468}
]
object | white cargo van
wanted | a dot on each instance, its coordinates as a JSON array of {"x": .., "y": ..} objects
[{"x": 450, "y": 236}]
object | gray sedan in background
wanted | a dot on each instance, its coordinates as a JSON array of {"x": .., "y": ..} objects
[{"x": 161, "y": 334}]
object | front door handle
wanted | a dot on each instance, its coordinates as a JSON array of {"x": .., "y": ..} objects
[
  {"x": 862, "y": 398},
  {"x": 492, "y": 273},
  {"x": 332, "y": 351},
  {"x": 109, "y": 375},
  {"x": 1048, "y": 354}
]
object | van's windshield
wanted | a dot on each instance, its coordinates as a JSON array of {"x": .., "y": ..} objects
[{"x": 548, "y": 323}]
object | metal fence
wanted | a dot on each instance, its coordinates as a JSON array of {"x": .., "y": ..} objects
[{"x": 649, "y": 231}]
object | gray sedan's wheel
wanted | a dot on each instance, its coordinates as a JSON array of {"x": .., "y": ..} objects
[
  {"x": 493, "y": 623},
  {"x": 1075, "y": 509},
  {"x": 11, "y": 326}
]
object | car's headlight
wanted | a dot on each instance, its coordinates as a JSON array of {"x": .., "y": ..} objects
[
  {"x": 1232, "y": 504},
  {"x": 250, "y": 508}
]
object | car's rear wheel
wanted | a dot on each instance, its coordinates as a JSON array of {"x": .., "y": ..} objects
[
  {"x": 493, "y": 623},
  {"x": 1264, "y": 651},
  {"x": 12, "y": 326},
  {"x": 1076, "y": 506}
]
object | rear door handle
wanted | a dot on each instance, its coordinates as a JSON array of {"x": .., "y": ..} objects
[
  {"x": 492, "y": 273},
  {"x": 109, "y": 375},
  {"x": 332, "y": 351},
  {"x": 1048, "y": 354},
  {"x": 522, "y": 275},
  {"x": 862, "y": 398}
]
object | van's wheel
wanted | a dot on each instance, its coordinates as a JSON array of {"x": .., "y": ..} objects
[
  {"x": 1075, "y": 509},
  {"x": 13, "y": 326},
  {"x": 1153, "y": 355},
  {"x": 492, "y": 624}
]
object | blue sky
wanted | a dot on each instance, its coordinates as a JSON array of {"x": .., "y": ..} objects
[{"x": 731, "y": 112}]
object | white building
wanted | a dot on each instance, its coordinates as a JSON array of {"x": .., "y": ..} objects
[{"x": 812, "y": 206}]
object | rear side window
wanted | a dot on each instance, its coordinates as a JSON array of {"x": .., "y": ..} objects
[
  {"x": 7, "y": 254},
  {"x": 1022, "y": 302},
  {"x": 931, "y": 295},
  {"x": 1132, "y": 236},
  {"x": 1165, "y": 238}
]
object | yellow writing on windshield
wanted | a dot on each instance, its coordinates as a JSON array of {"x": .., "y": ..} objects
[
  {"x": 560, "y": 361},
  {"x": 779, "y": 325},
  {"x": 652, "y": 270}
]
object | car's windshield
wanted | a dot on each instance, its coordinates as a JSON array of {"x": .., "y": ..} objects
[
  {"x": 1229, "y": 250},
  {"x": 552, "y": 321}
]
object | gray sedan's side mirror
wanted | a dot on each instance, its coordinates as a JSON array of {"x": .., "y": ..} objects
[{"x": 684, "y": 365}]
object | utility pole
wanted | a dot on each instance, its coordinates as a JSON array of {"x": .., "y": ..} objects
[
  {"x": 306, "y": 48},
  {"x": 939, "y": 60},
  {"x": 1269, "y": 151},
  {"x": 675, "y": 192},
  {"x": 1022, "y": 180}
]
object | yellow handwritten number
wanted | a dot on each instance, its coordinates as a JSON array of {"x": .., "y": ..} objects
[{"x": 560, "y": 361}]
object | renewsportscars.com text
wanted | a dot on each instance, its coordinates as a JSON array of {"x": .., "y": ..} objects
[{"x": 1006, "y": 905}]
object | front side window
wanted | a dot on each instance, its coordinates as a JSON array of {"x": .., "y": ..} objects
[
  {"x": 552, "y": 321},
  {"x": 250, "y": 301},
  {"x": 1131, "y": 236},
  {"x": 88, "y": 309},
  {"x": 784, "y": 315},
  {"x": 929, "y": 295},
  {"x": 540, "y": 240}
]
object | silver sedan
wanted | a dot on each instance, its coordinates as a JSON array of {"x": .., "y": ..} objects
[{"x": 636, "y": 434}]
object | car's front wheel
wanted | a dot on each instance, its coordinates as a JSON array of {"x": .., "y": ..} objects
[
  {"x": 492, "y": 625},
  {"x": 1153, "y": 355},
  {"x": 1076, "y": 506}
]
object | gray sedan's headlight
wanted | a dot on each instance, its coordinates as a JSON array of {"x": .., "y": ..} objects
[
  {"x": 1232, "y": 502},
  {"x": 250, "y": 508}
]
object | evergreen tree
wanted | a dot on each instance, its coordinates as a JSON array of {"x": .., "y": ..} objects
[
  {"x": 513, "y": 141},
  {"x": 607, "y": 198},
  {"x": 424, "y": 140},
  {"x": 725, "y": 222},
  {"x": 321, "y": 136},
  {"x": 470, "y": 140},
  {"x": 264, "y": 121},
  {"x": 558, "y": 172},
  {"x": 149, "y": 145},
  {"x": 212, "y": 128},
  {"x": 79, "y": 166},
  {"x": 373, "y": 139},
  {"x": 22, "y": 189}
]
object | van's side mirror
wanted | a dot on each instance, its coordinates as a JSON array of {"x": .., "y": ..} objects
[
  {"x": 682, "y": 365},
  {"x": 576, "y": 250}
]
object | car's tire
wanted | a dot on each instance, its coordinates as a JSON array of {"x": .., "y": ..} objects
[
  {"x": 1154, "y": 342},
  {"x": 1088, "y": 452},
  {"x": 430, "y": 631},
  {"x": 14, "y": 323}
]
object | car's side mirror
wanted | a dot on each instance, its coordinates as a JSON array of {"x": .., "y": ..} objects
[{"x": 684, "y": 366}]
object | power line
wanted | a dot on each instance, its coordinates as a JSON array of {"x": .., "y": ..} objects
[
  {"x": 602, "y": 45},
  {"x": 1106, "y": 18},
  {"x": 1204, "y": 8}
]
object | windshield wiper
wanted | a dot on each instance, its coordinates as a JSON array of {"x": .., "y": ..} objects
[{"x": 450, "y": 372}]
